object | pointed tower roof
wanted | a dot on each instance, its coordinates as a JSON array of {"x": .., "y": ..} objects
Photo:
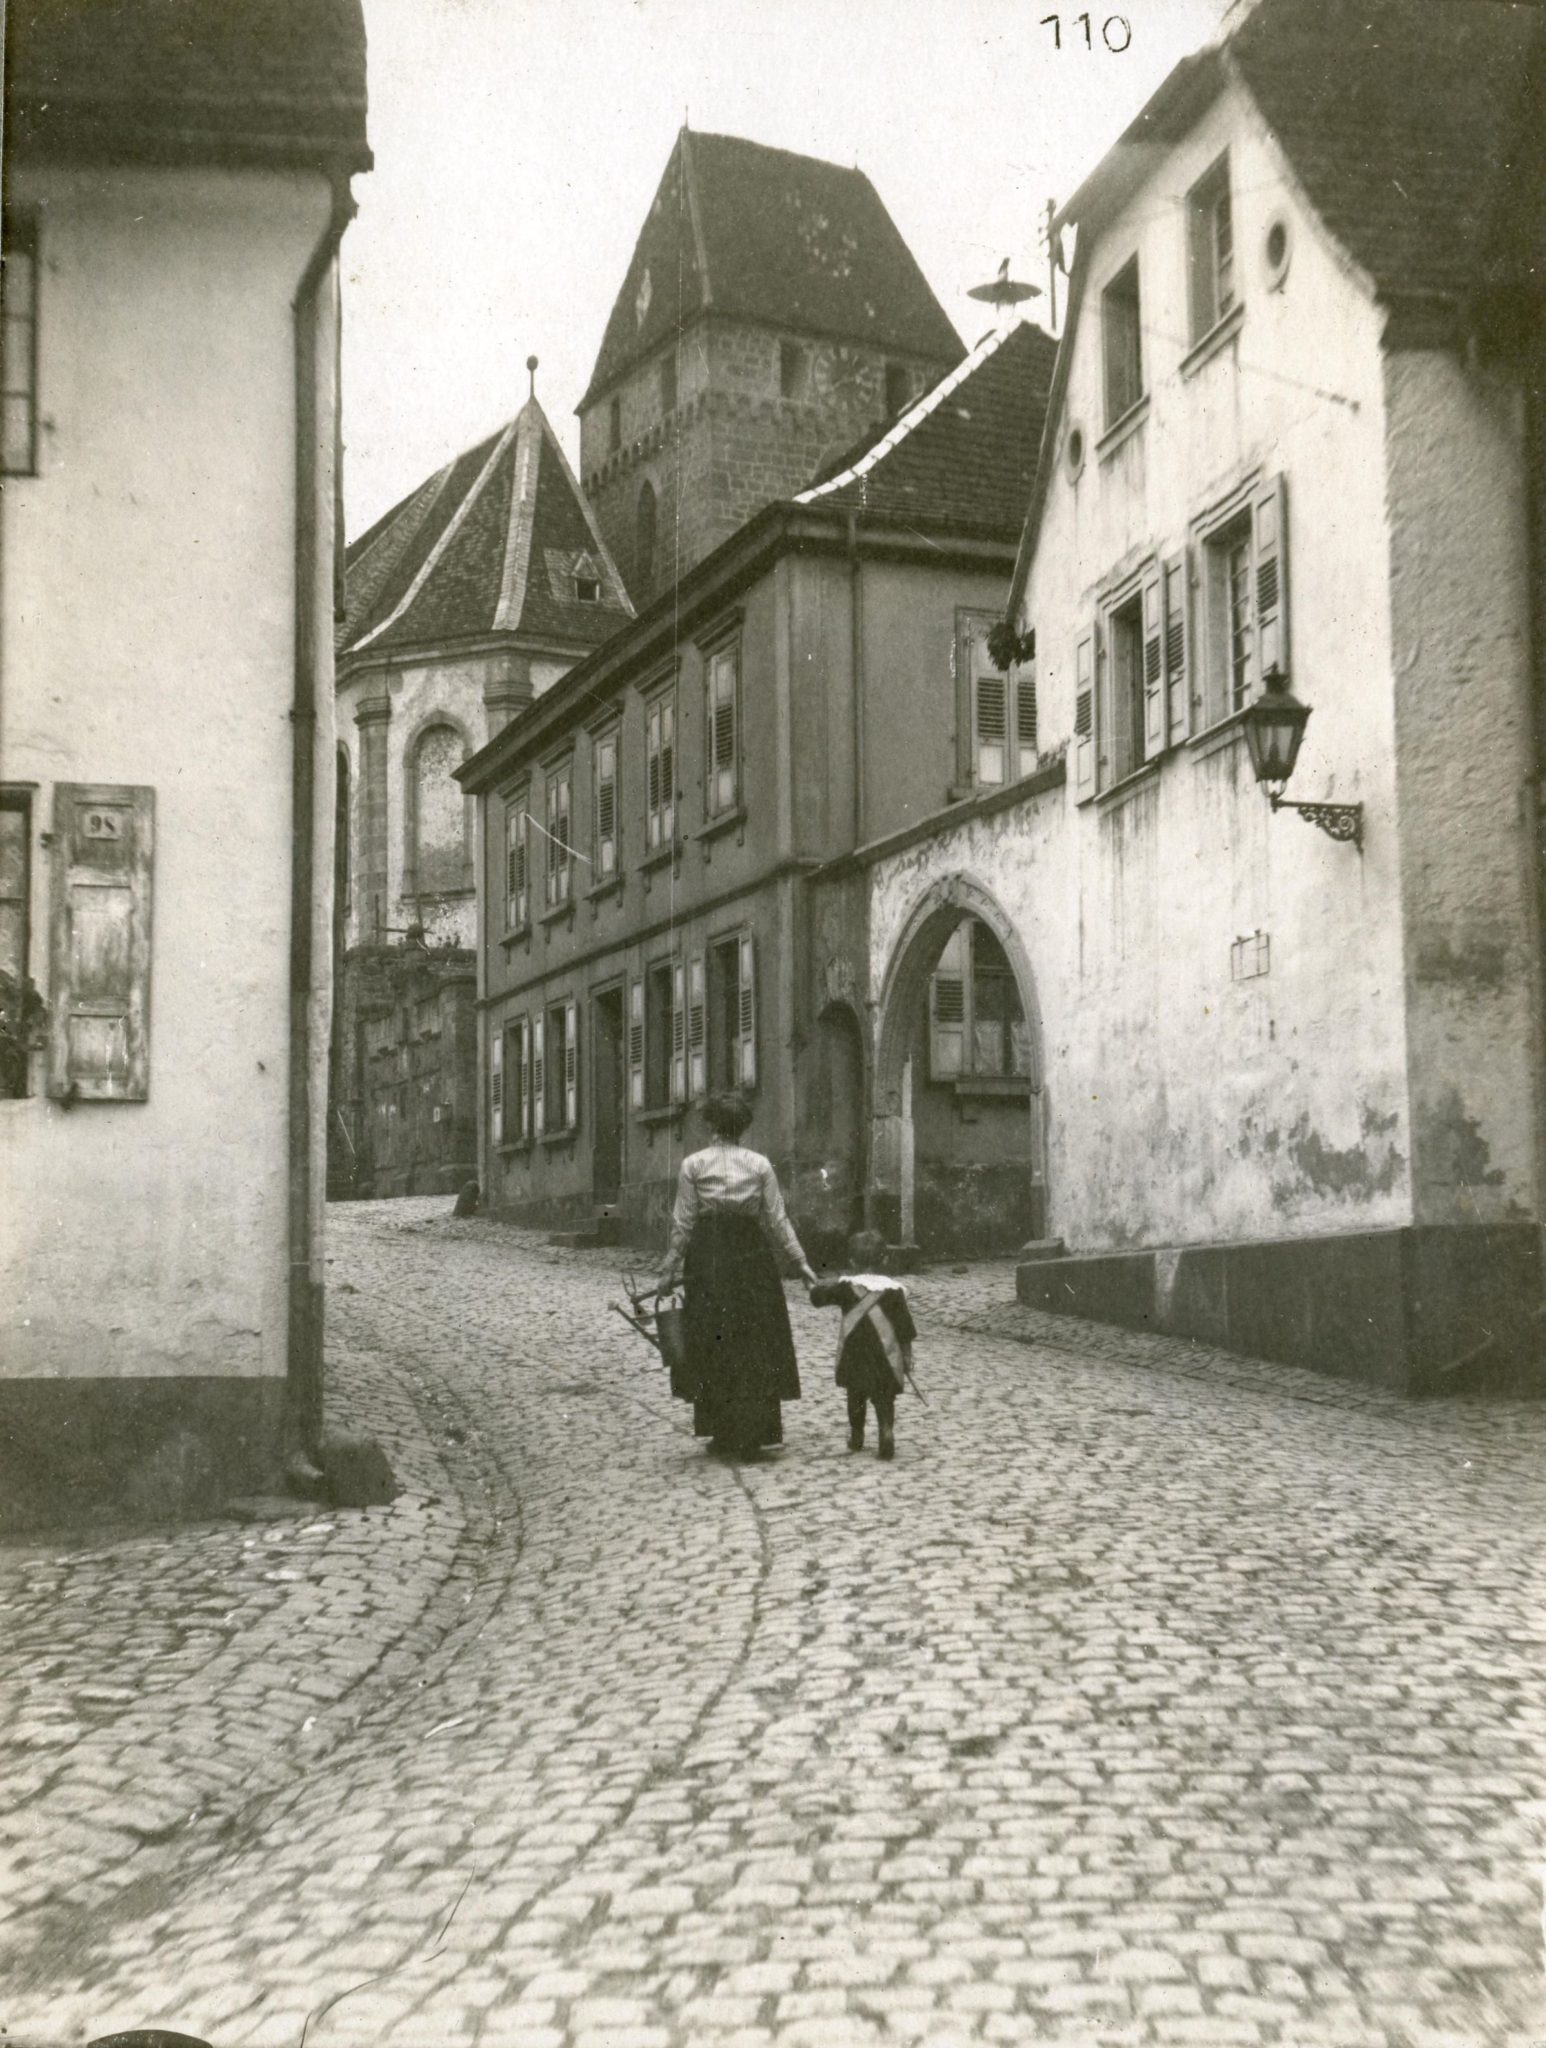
[
  {"x": 768, "y": 236},
  {"x": 499, "y": 541}
]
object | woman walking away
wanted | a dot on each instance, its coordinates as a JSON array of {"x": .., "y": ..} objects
[{"x": 740, "y": 1351}]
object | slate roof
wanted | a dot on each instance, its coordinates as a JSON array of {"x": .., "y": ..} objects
[
  {"x": 965, "y": 454},
  {"x": 219, "y": 80},
  {"x": 768, "y": 236},
  {"x": 491, "y": 543},
  {"x": 1415, "y": 127}
]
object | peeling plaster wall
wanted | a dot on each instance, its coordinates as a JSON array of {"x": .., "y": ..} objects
[
  {"x": 1184, "y": 1105},
  {"x": 148, "y": 599},
  {"x": 1460, "y": 616}
]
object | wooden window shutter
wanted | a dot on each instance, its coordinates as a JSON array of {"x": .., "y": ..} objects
[
  {"x": 520, "y": 1101},
  {"x": 1084, "y": 718},
  {"x": 606, "y": 807},
  {"x": 652, "y": 799},
  {"x": 1025, "y": 714},
  {"x": 991, "y": 728},
  {"x": 496, "y": 1085},
  {"x": 947, "y": 1024},
  {"x": 746, "y": 1013},
  {"x": 678, "y": 1035},
  {"x": 571, "y": 1064},
  {"x": 1154, "y": 719},
  {"x": 99, "y": 1043},
  {"x": 636, "y": 1044},
  {"x": 722, "y": 733},
  {"x": 1177, "y": 687},
  {"x": 1272, "y": 579},
  {"x": 668, "y": 769},
  {"x": 539, "y": 1109},
  {"x": 1105, "y": 724},
  {"x": 697, "y": 1063}
]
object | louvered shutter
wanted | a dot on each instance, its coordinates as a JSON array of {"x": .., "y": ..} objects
[
  {"x": 990, "y": 728},
  {"x": 99, "y": 1041},
  {"x": 496, "y": 1085},
  {"x": 678, "y": 1035},
  {"x": 571, "y": 1065},
  {"x": 1177, "y": 687},
  {"x": 1105, "y": 725},
  {"x": 697, "y": 1063},
  {"x": 1154, "y": 721},
  {"x": 520, "y": 1100},
  {"x": 668, "y": 770},
  {"x": 1025, "y": 716},
  {"x": 539, "y": 1108},
  {"x": 1272, "y": 579},
  {"x": 606, "y": 807},
  {"x": 722, "y": 734},
  {"x": 746, "y": 1013},
  {"x": 636, "y": 1044},
  {"x": 1084, "y": 718},
  {"x": 947, "y": 1024},
  {"x": 652, "y": 800}
]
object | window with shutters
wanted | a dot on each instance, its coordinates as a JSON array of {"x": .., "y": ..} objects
[
  {"x": 604, "y": 774},
  {"x": 517, "y": 1064},
  {"x": 560, "y": 834},
  {"x": 995, "y": 709},
  {"x": 722, "y": 780},
  {"x": 99, "y": 980},
  {"x": 1243, "y": 624},
  {"x": 1130, "y": 679},
  {"x": 977, "y": 1025},
  {"x": 19, "y": 345},
  {"x": 660, "y": 770},
  {"x": 1122, "y": 342},
  {"x": 518, "y": 861},
  {"x": 561, "y": 1075},
  {"x": 659, "y": 1028},
  {"x": 20, "y": 1006},
  {"x": 1210, "y": 249},
  {"x": 732, "y": 1013}
]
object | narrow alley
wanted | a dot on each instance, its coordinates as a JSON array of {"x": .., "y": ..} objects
[{"x": 1150, "y": 1696}]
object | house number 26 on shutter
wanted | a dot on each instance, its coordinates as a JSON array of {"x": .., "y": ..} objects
[{"x": 1116, "y": 31}]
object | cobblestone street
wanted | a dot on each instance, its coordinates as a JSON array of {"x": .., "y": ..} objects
[{"x": 1151, "y": 1696}]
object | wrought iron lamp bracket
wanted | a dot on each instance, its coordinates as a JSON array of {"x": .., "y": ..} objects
[{"x": 1342, "y": 822}]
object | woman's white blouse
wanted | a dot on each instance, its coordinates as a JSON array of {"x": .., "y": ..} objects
[{"x": 729, "y": 1177}]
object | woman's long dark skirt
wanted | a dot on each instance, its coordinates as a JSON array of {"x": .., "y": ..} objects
[{"x": 740, "y": 1350}]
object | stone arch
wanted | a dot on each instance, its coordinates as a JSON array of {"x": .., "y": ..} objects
[
  {"x": 914, "y": 957},
  {"x": 437, "y": 817}
]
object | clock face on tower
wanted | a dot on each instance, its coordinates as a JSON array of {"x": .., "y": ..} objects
[{"x": 641, "y": 304}]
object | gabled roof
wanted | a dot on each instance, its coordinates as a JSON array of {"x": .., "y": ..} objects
[
  {"x": 965, "y": 454},
  {"x": 273, "y": 81},
  {"x": 765, "y": 235},
  {"x": 496, "y": 542},
  {"x": 1414, "y": 127},
  {"x": 1409, "y": 124}
]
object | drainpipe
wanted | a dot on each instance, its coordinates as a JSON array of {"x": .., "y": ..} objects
[
  {"x": 856, "y": 687},
  {"x": 304, "y": 1332}
]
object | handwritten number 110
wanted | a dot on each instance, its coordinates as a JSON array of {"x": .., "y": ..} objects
[{"x": 1116, "y": 31}]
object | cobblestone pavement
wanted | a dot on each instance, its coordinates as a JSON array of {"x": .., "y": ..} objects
[{"x": 1151, "y": 1696}]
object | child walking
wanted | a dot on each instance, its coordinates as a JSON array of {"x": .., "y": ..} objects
[{"x": 875, "y": 1345}]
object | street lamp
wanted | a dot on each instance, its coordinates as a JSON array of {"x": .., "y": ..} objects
[{"x": 1274, "y": 727}]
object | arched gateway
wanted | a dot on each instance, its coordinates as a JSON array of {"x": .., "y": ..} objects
[{"x": 957, "y": 1151}]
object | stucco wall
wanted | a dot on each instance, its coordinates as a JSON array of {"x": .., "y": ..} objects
[
  {"x": 148, "y": 595},
  {"x": 1460, "y": 613},
  {"x": 1184, "y": 1104}
]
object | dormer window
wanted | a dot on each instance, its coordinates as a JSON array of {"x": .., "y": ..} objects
[{"x": 587, "y": 581}]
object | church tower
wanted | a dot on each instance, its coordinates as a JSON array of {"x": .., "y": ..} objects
[{"x": 770, "y": 316}]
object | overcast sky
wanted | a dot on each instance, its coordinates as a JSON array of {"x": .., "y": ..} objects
[{"x": 519, "y": 142}]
